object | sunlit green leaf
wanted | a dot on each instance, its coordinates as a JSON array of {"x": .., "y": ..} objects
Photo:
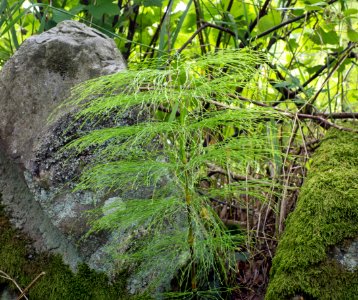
[
  {"x": 157, "y": 3},
  {"x": 78, "y": 8},
  {"x": 103, "y": 7},
  {"x": 352, "y": 35},
  {"x": 292, "y": 45},
  {"x": 270, "y": 20},
  {"x": 313, "y": 7},
  {"x": 3, "y": 6},
  {"x": 322, "y": 37},
  {"x": 350, "y": 12},
  {"x": 59, "y": 16},
  {"x": 314, "y": 69}
]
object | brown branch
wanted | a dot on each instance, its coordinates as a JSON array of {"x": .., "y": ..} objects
[
  {"x": 350, "y": 47},
  {"x": 198, "y": 25},
  {"x": 318, "y": 72},
  {"x": 315, "y": 117},
  {"x": 216, "y": 169},
  {"x": 30, "y": 285},
  {"x": 6, "y": 276},
  {"x": 131, "y": 31},
  {"x": 291, "y": 94},
  {"x": 218, "y": 41},
  {"x": 342, "y": 115},
  {"x": 312, "y": 145},
  {"x": 205, "y": 25},
  {"x": 221, "y": 28},
  {"x": 192, "y": 38},
  {"x": 283, "y": 24},
  {"x": 262, "y": 12}
]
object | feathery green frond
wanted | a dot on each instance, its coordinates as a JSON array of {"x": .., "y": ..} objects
[{"x": 171, "y": 229}]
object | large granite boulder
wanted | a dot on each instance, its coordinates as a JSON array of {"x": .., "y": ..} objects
[
  {"x": 39, "y": 76},
  {"x": 34, "y": 177}
]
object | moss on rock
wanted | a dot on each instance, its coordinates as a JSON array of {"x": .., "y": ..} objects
[
  {"x": 20, "y": 262},
  {"x": 326, "y": 215}
]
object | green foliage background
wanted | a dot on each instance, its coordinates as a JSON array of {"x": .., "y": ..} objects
[
  {"x": 302, "y": 77},
  {"x": 303, "y": 40}
]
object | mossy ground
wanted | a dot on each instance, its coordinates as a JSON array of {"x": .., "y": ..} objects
[
  {"x": 19, "y": 261},
  {"x": 326, "y": 214}
]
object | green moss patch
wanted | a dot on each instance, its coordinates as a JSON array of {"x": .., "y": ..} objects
[
  {"x": 326, "y": 215},
  {"x": 19, "y": 261}
]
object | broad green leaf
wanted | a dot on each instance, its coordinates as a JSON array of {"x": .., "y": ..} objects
[
  {"x": 291, "y": 83},
  {"x": 232, "y": 25},
  {"x": 316, "y": 2},
  {"x": 322, "y": 37},
  {"x": 315, "y": 6},
  {"x": 3, "y": 6},
  {"x": 343, "y": 66},
  {"x": 352, "y": 35},
  {"x": 350, "y": 11},
  {"x": 180, "y": 24},
  {"x": 59, "y": 16},
  {"x": 331, "y": 37},
  {"x": 103, "y": 7},
  {"x": 148, "y": 3},
  {"x": 312, "y": 70},
  {"x": 298, "y": 12},
  {"x": 292, "y": 45},
  {"x": 269, "y": 21},
  {"x": 78, "y": 8}
]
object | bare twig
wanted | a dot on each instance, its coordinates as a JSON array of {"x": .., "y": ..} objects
[
  {"x": 221, "y": 28},
  {"x": 291, "y": 94},
  {"x": 315, "y": 117},
  {"x": 22, "y": 291},
  {"x": 216, "y": 169},
  {"x": 30, "y": 285},
  {"x": 198, "y": 24},
  {"x": 131, "y": 30},
  {"x": 283, "y": 24},
  {"x": 218, "y": 41},
  {"x": 202, "y": 27},
  {"x": 334, "y": 69},
  {"x": 6, "y": 276},
  {"x": 341, "y": 115},
  {"x": 262, "y": 12}
]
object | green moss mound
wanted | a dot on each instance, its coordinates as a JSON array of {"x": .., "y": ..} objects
[
  {"x": 19, "y": 261},
  {"x": 326, "y": 215}
]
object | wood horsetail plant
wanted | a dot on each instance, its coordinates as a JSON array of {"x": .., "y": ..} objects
[{"x": 181, "y": 130}]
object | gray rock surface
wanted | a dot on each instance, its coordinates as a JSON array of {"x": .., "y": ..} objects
[
  {"x": 27, "y": 214},
  {"x": 7, "y": 294},
  {"x": 34, "y": 176},
  {"x": 39, "y": 76},
  {"x": 346, "y": 254}
]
